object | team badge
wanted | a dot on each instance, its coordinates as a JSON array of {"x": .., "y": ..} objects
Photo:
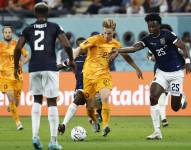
[
  {"x": 162, "y": 41},
  {"x": 106, "y": 82}
]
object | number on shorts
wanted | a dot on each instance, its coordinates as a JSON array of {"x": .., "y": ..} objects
[
  {"x": 37, "y": 45},
  {"x": 175, "y": 87}
]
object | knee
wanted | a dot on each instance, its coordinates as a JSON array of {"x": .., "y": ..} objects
[
  {"x": 79, "y": 98},
  {"x": 51, "y": 101},
  {"x": 153, "y": 99}
]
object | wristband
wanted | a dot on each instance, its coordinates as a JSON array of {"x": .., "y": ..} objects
[{"x": 187, "y": 60}]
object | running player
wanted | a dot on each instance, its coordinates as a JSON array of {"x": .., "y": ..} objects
[
  {"x": 44, "y": 78},
  {"x": 170, "y": 64},
  {"x": 8, "y": 83}
]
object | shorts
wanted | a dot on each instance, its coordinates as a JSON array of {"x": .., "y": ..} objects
[
  {"x": 170, "y": 81},
  {"x": 44, "y": 83},
  {"x": 93, "y": 86}
]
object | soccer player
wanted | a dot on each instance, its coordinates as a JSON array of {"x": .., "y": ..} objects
[
  {"x": 96, "y": 73},
  {"x": 8, "y": 83},
  {"x": 170, "y": 64},
  {"x": 44, "y": 78},
  {"x": 164, "y": 96}
]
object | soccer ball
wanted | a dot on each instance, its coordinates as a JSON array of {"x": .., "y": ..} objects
[{"x": 78, "y": 133}]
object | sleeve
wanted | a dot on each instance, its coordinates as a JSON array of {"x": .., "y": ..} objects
[
  {"x": 24, "y": 52},
  {"x": 59, "y": 30},
  {"x": 172, "y": 37},
  {"x": 24, "y": 33},
  {"x": 89, "y": 42}
]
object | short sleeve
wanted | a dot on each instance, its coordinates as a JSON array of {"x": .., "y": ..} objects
[
  {"x": 89, "y": 42},
  {"x": 172, "y": 37},
  {"x": 24, "y": 33},
  {"x": 144, "y": 41}
]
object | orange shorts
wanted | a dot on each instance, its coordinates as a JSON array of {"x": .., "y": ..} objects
[{"x": 93, "y": 86}]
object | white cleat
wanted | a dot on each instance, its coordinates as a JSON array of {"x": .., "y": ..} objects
[
  {"x": 157, "y": 135},
  {"x": 20, "y": 127}
]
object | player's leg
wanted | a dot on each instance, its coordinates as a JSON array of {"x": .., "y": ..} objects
[
  {"x": 90, "y": 107},
  {"x": 178, "y": 99},
  {"x": 155, "y": 91},
  {"x": 162, "y": 108},
  {"x": 13, "y": 109},
  {"x": 37, "y": 91},
  {"x": 158, "y": 87},
  {"x": 98, "y": 105},
  {"x": 79, "y": 99},
  {"x": 105, "y": 92},
  {"x": 50, "y": 85}
]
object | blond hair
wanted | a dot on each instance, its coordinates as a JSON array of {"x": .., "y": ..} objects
[{"x": 109, "y": 23}]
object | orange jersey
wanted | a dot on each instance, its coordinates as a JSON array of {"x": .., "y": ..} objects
[
  {"x": 7, "y": 58},
  {"x": 97, "y": 61}
]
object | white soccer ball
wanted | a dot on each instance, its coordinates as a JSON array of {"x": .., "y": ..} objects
[{"x": 78, "y": 133}]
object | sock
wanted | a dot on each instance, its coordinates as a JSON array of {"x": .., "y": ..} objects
[
  {"x": 14, "y": 112},
  {"x": 53, "y": 121},
  {"x": 162, "y": 105},
  {"x": 105, "y": 114},
  {"x": 36, "y": 113},
  {"x": 70, "y": 113},
  {"x": 91, "y": 114},
  {"x": 155, "y": 117}
]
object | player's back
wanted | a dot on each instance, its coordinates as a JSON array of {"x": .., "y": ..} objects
[{"x": 41, "y": 36}]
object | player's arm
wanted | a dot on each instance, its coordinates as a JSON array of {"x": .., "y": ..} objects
[
  {"x": 150, "y": 56},
  {"x": 131, "y": 62},
  {"x": 131, "y": 49},
  {"x": 17, "y": 54},
  {"x": 65, "y": 43},
  {"x": 186, "y": 54},
  {"x": 77, "y": 51}
]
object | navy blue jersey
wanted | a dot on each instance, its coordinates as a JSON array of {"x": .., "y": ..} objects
[
  {"x": 166, "y": 53},
  {"x": 79, "y": 75},
  {"x": 41, "y": 36}
]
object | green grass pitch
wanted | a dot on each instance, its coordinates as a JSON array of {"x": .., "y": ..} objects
[{"x": 128, "y": 133}]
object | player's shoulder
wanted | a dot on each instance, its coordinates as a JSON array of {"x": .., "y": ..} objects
[{"x": 116, "y": 42}]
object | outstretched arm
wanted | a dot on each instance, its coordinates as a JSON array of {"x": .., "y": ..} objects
[
  {"x": 132, "y": 63},
  {"x": 131, "y": 49}
]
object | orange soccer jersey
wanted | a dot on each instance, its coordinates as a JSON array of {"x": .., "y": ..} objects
[
  {"x": 96, "y": 73},
  {"x": 7, "y": 80}
]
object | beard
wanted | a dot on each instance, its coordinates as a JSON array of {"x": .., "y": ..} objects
[{"x": 8, "y": 40}]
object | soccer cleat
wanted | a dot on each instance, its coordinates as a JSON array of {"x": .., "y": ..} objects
[
  {"x": 96, "y": 127},
  {"x": 106, "y": 130},
  {"x": 61, "y": 129},
  {"x": 183, "y": 102},
  {"x": 20, "y": 127},
  {"x": 36, "y": 143},
  {"x": 164, "y": 123},
  {"x": 54, "y": 146},
  {"x": 157, "y": 135}
]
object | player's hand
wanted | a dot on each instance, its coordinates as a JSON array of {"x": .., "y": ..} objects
[
  {"x": 72, "y": 64},
  {"x": 188, "y": 68},
  {"x": 16, "y": 72},
  {"x": 139, "y": 74},
  {"x": 113, "y": 54}
]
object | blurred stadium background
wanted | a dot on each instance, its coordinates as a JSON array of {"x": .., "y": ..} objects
[{"x": 81, "y": 18}]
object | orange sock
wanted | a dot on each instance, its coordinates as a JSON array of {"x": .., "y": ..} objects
[
  {"x": 105, "y": 114},
  {"x": 14, "y": 112},
  {"x": 91, "y": 114}
]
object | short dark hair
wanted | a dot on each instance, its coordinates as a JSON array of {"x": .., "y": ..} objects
[
  {"x": 166, "y": 27},
  {"x": 41, "y": 9},
  {"x": 153, "y": 17},
  {"x": 7, "y": 26},
  {"x": 80, "y": 39}
]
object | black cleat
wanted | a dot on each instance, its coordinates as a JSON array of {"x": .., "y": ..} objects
[
  {"x": 61, "y": 129},
  {"x": 106, "y": 130},
  {"x": 164, "y": 123}
]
